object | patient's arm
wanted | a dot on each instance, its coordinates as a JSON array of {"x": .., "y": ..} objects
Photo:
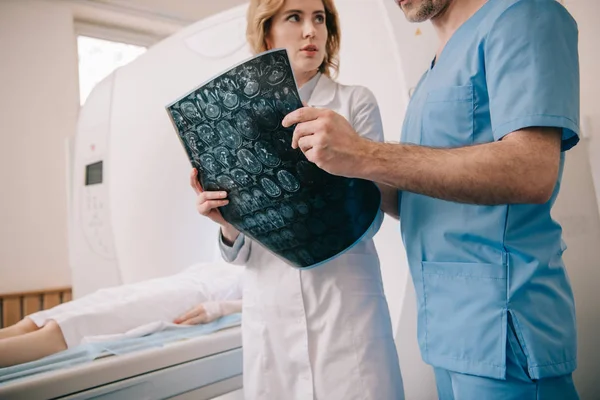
[
  {"x": 22, "y": 327},
  {"x": 32, "y": 346},
  {"x": 209, "y": 312}
]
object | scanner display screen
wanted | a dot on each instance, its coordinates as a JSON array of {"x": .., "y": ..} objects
[{"x": 93, "y": 173}]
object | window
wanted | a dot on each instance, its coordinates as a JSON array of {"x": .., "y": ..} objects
[{"x": 99, "y": 58}]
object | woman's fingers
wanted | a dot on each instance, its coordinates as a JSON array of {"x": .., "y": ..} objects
[
  {"x": 195, "y": 316},
  {"x": 184, "y": 317},
  {"x": 194, "y": 181},
  {"x": 201, "y": 319},
  {"x": 205, "y": 196},
  {"x": 195, "y": 312},
  {"x": 208, "y": 206},
  {"x": 207, "y": 201}
]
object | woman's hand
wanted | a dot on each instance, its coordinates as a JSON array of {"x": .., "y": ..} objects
[
  {"x": 195, "y": 316},
  {"x": 209, "y": 311},
  {"x": 207, "y": 204}
]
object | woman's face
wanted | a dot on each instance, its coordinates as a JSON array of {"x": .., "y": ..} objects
[{"x": 299, "y": 27}]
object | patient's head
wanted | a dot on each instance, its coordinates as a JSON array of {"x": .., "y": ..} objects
[{"x": 307, "y": 29}]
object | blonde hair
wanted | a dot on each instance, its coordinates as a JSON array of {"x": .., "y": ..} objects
[{"x": 259, "y": 18}]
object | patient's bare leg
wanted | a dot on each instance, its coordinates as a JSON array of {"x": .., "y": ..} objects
[
  {"x": 32, "y": 346},
  {"x": 22, "y": 327}
]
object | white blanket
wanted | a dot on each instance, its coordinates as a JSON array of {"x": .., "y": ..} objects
[{"x": 142, "y": 308}]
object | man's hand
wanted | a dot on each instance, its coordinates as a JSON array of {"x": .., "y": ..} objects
[{"x": 328, "y": 140}]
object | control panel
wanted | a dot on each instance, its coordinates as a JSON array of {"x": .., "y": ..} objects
[{"x": 94, "y": 210}]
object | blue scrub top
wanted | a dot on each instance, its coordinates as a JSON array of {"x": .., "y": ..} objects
[{"x": 514, "y": 64}]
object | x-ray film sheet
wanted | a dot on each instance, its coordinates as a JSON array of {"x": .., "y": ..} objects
[{"x": 231, "y": 130}]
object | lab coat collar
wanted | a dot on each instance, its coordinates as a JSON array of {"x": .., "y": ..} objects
[{"x": 324, "y": 92}]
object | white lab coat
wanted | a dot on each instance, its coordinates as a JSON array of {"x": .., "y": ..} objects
[{"x": 323, "y": 333}]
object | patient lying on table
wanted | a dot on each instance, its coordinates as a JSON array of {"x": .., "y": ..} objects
[{"x": 200, "y": 294}]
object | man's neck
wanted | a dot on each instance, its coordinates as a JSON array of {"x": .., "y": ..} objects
[{"x": 452, "y": 17}]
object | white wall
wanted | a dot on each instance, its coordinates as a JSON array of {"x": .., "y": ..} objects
[
  {"x": 38, "y": 110},
  {"x": 577, "y": 206},
  {"x": 587, "y": 15},
  {"x": 576, "y": 210}
]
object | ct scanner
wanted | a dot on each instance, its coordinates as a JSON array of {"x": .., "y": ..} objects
[{"x": 132, "y": 213}]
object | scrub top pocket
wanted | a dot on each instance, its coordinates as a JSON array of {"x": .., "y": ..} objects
[
  {"x": 448, "y": 117},
  {"x": 465, "y": 315}
]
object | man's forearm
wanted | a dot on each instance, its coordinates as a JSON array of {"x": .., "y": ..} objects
[{"x": 494, "y": 173}]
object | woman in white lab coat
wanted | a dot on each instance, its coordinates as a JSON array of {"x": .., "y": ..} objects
[{"x": 323, "y": 333}]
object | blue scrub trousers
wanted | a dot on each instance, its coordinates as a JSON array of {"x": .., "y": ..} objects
[{"x": 517, "y": 386}]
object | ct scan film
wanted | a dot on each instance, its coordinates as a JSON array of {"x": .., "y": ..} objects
[{"x": 231, "y": 130}]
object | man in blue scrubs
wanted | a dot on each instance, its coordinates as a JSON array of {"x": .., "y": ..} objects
[{"x": 478, "y": 171}]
